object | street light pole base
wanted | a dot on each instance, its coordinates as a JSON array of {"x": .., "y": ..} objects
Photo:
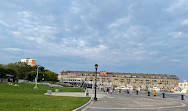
[
  {"x": 95, "y": 99},
  {"x": 35, "y": 87}
]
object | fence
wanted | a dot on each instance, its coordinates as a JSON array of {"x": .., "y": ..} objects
[{"x": 158, "y": 94}]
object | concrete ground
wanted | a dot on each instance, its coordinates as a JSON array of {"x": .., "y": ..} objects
[
  {"x": 78, "y": 94},
  {"x": 127, "y": 102}
]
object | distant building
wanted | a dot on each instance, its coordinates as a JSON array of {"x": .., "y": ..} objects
[
  {"x": 115, "y": 79},
  {"x": 28, "y": 61},
  {"x": 183, "y": 85},
  {"x": 2, "y": 64}
]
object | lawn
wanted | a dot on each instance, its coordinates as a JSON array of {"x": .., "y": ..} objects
[{"x": 25, "y": 98}]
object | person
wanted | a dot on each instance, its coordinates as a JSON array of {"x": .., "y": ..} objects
[
  {"x": 154, "y": 93},
  {"x": 111, "y": 91},
  {"x": 51, "y": 86},
  {"x": 107, "y": 90},
  {"x": 119, "y": 90},
  {"x": 9, "y": 83}
]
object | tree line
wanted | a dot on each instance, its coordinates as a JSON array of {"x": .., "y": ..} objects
[{"x": 21, "y": 70}]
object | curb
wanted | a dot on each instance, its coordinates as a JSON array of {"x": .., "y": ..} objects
[{"x": 81, "y": 107}]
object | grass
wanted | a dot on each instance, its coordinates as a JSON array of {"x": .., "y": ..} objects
[{"x": 25, "y": 98}]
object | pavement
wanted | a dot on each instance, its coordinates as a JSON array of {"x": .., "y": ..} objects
[
  {"x": 128, "y": 102},
  {"x": 78, "y": 94}
]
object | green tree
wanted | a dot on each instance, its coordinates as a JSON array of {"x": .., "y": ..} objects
[
  {"x": 12, "y": 72},
  {"x": 42, "y": 76},
  {"x": 41, "y": 68},
  {"x": 20, "y": 68},
  {"x": 3, "y": 72},
  {"x": 52, "y": 76},
  {"x": 31, "y": 75}
]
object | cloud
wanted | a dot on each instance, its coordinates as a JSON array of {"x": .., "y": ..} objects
[
  {"x": 113, "y": 33},
  {"x": 119, "y": 22},
  {"x": 178, "y": 5},
  {"x": 4, "y": 24},
  {"x": 176, "y": 34},
  {"x": 185, "y": 22},
  {"x": 32, "y": 27},
  {"x": 14, "y": 49},
  {"x": 175, "y": 60},
  {"x": 15, "y": 32}
]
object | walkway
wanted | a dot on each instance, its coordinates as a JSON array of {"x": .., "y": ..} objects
[
  {"x": 125, "y": 102},
  {"x": 78, "y": 94}
]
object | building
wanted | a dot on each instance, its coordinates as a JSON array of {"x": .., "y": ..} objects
[
  {"x": 113, "y": 79},
  {"x": 28, "y": 61},
  {"x": 2, "y": 64},
  {"x": 183, "y": 85}
]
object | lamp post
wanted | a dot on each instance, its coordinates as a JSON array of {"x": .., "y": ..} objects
[
  {"x": 95, "y": 98},
  {"x": 43, "y": 78},
  {"x": 36, "y": 78}
]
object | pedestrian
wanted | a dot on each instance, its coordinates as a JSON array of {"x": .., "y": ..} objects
[
  {"x": 107, "y": 90},
  {"x": 113, "y": 89},
  {"x": 154, "y": 93},
  {"x": 111, "y": 92}
]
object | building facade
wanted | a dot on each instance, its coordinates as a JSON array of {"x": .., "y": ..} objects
[
  {"x": 183, "y": 85},
  {"x": 113, "y": 79},
  {"x": 28, "y": 61}
]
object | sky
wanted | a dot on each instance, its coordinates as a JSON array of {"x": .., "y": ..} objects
[{"x": 137, "y": 36}]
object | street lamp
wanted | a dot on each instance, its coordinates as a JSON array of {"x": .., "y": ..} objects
[
  {"x": 36, "y": 78},
  {"x": 96, "y": 66},
  {"x": 43, "y": 78}
]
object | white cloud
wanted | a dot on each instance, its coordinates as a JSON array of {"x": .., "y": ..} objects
[
  {"x": 185, "y": 22},
  {"x": 180, "y": 4},
  {"x": 88, "y": 30},
  {"x": 4, "y": 23},
  {"x": 33, "y": 27},
  {"x": 15, "y": 32},
  {"x": 175, "y": 60},
  {"x": 119, "y": 22},
  {"x": 14, "y": 49},
  {"x": 176, "y": 34}
]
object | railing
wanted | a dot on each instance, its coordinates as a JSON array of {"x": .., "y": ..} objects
[{"x": 158, "y": 94}]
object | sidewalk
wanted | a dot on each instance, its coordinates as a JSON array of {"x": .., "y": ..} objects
[
  {"x": 77, "y": 94},
  {"x": 132, "y": 102}
]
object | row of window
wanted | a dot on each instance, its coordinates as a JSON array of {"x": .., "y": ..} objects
[{"x": 183, "y": 84}]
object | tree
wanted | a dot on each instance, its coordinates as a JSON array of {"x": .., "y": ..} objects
[
  {"x": 52, "y": 76},
  {"x": 2, "y": 72},
  {"x": 31, "y": 75},
  {"x": 24, "y": 71},
  {"x": 12, "y": 72},
  {"x": 41, "y": 68},
  {"x": 21, "y": 69},
  {"x": 42, "y": 76}
]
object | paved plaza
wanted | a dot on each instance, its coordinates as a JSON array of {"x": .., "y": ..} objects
[{"x": 126, "y": 102}]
